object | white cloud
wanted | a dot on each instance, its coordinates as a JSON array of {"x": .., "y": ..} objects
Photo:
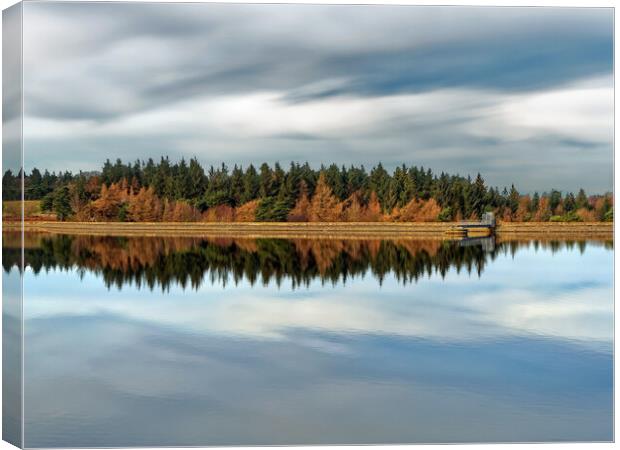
[
  {"x": 581, "y": 315},
  {"x": 581, "y": 111}
]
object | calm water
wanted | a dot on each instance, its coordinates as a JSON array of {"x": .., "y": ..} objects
[{"x": 181, "y": 341}]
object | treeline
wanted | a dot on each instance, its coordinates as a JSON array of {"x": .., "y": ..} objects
[
  {"x": 163, "y": 191},
  {"x": 191, "y": 262}
]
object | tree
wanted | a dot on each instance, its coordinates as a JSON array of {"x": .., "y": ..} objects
[
  {"x": 334, "y": 179},
  {"x": 417, "y": 211},
  {"x": 582, "y": 200},
  {"x": 570, "y": 203},
  {"x": 34, "y": 188},
  {"x": 379, "y": 182},
  {"x": 265, "y": 181},
  {"x": 218, "y": 189},
  {"x": 372, "y": 212},
  {"x": 277, "y": 194},
  {"x": 107, "y": 206},
  {"x": 145, "y": 206},
  {"x": 535, "y": 202},
  {"x": 251, "y": 185},
  {"x": 543, "y": 213},
  {"x": 182, "y": 183},
  {"x": 47, "y": 202},
  {"x": 301, "y": 210},
  {"x": 555, "y": 200},
  {"x": 324, "y": 207},
  {"x": 513, "y": 200},
  {"x": 61, "y": 203},
  {"x": 236, "y": 186},
  {"x": 196, "y": 179},
  {"x": 246, "y": 212},
  {"x": 353, "y": 210},
  {"x": 445, "y": 215},
  {"x": 11, "y": 186},
  {"x": 478, "y": 195}
]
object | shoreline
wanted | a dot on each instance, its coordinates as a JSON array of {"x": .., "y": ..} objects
[{"x": 335, "y": 230}]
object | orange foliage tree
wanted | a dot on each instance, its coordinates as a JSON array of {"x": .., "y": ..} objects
[
  {"x": 544, "y": 210},
  {"x": 220, "y": 213},
  {"x": 301, "y": 210},
  {"x": 353, "y": 210},
  {"x": 145, "y": 206},
  {"x": 372, "y": 212},
  {"x": 523, "y": 211},
  {"x": 417, "y": 211},
  {"x": 324, "y": 207},
  {"x": 107, "y": 206},
  {"x": 246, "y": 212}
]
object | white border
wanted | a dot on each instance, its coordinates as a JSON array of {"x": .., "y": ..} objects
[{"x": 558, "y": 3}]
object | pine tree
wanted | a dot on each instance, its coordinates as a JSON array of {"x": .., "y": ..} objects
[
  {"x": 265, "y": 181},
  {"x": 236, "y": 186},
  {"x": 196, "y": 176},
  {"x": 378, "y": 183},
  {"x": 555, "y": 200},
  {"x": 513, "y": 200},
  {"x": 582, "y": 200},
  {"x": 250, "y": 185},
  {"x": 61, "y": 203},
  {"x": 477, "y": 196},
  {"x": 182, "y": 183},
  {"x": 535, "y": 202},
  {"x": 570, "y": 203}
]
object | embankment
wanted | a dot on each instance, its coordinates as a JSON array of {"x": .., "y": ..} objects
[{"x": 340, "y": 230}]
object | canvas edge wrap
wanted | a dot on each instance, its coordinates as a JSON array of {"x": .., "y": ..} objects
[{"x": 12, "y": 285}]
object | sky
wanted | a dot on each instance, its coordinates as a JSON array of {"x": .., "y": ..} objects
[{"x": 521, "y": 95}]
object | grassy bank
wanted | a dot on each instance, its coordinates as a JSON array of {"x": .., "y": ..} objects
[
  {"x": 12, "y": 208},
  {"x": 314, "y": 229}
]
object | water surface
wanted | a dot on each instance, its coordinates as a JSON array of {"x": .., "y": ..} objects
[{"x": 186, "y": 341}]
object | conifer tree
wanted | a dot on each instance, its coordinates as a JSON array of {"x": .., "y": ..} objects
[
  {"x": 324, "y": 206},
  {"x": 62, "y": 203}
]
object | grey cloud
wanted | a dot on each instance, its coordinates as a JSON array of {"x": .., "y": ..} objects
[
  {"x": 106, "y": 62},
  {"x": 216, "y": 49}
]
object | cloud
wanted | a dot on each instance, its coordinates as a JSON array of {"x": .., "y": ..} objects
[
  {"x": 456, "y": 89},
  {"x": 457, "y": 130}
]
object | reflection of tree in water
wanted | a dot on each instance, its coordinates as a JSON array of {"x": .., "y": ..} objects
[{"x": 162, "y": 261}]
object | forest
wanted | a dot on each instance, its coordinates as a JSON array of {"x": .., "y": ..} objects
[
  {"x": 146, "y": 191},
  {"x": 190, "y": 262}
]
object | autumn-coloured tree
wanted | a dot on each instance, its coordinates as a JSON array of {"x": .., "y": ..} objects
[
  {"x": 523, "y": 213},
  {"x": 145, "y": 206},
  {"x": 543, "y": 213},
  {"x": 430, "y": 211},
  {"x": 587, "y": 215},
  {"x": 246, "y": 212},
  {"x": 324, "y": 207},
  {"x": 353, "y": 210},
  {"x": 184, "y": 212},
  {"x": 417, "y": 211},
  {"x": 221, "y": 213},
  {"x": 93, "y": 187},
  {"x": 107, "y": 206},
  {"x": 282, "y": 195},
  {"x": 603, "y": 207},
  {"x": 301, "y": 210},
  {"x": 372, "y": 212}
]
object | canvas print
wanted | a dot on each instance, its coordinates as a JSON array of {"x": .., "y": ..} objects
[{"x": 297, "y": 224}]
